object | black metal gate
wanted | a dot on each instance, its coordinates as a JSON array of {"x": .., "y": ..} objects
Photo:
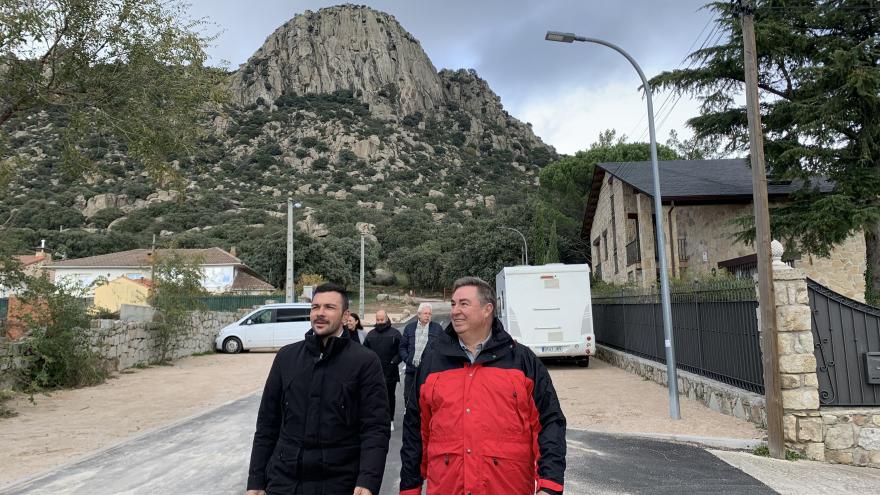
[{"x": 844, "y": 331}]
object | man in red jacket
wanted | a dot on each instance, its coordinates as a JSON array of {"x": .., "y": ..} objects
[{"x": 485, "y": 419}]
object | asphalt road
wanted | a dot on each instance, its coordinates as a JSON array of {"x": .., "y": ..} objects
[{"x": 209, "y": 454}]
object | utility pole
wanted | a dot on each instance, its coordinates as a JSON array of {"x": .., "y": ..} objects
[
  {"x": 766, "y": 295},
  {"x": 289, "y": 285},
  {"x": 361, "y": 294}
]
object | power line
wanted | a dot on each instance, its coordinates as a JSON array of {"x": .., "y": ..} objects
[
  {"x": 683, "y": 60},
  {"x": 713, "y": 37},
  {"x": 679, "y": 96}
]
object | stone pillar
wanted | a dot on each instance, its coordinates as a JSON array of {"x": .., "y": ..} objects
[{"x": 797, "y": 364}]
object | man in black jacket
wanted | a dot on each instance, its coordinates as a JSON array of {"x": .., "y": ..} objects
[
  {"x": 384, "y": 340},
  {"x": 417, "y": 338},
  {"x": 323, "y": 424}
]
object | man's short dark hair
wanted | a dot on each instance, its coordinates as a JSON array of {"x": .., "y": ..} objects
[
  {"x": 485, "y": 292},
  {"x": 331, "y": 287}
]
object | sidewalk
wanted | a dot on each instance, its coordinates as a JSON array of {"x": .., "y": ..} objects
[
  {"x": 804, "y": 477},
  {"x": 604, "y": 398}
]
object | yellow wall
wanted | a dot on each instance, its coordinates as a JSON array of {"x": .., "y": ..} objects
[{"x": 115, "y": 293}]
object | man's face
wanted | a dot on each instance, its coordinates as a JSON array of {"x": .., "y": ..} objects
[
  {"x": 468, "y": 314},
  {"x": 381, "y": 318},
  {"x": 327, "y": 313},
  {"x": 425, "y": 316}
]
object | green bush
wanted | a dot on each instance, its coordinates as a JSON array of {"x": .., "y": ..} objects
[{"x": 57, "y": 346}]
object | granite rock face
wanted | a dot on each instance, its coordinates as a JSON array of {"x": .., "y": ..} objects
[{"x": 344, "y": 47}]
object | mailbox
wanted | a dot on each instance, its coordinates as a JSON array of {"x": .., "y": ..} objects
[{"x": 872, "y": 367}]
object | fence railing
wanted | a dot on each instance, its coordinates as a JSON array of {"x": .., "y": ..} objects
[
  {"x": 236, "y": 302},
  {"x": 715, "y": 329}
]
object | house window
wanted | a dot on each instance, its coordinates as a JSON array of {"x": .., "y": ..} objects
[
  {"x": 605, "y": 242},
  {"x": 614, "y": 234},
  {"x": 597, "y": 252}
]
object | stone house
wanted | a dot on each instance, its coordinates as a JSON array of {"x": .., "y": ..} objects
[
  {"x": 222, "y": 272},
  {"x": 702, "y": 199}
]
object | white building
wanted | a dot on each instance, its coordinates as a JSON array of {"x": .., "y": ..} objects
[{"x": 222, "y": 271}]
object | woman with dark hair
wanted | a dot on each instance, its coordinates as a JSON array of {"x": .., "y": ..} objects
[{"x": 354, "y": 329}]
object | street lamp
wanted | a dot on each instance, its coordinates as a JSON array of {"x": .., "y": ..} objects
[
  {"x": 289, "y": 295},
  {"x": 671, "y": 374},
  {"x": 525, "y": 253}
]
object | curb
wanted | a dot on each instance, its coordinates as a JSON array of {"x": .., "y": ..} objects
[{"x": 722, "y": 443}]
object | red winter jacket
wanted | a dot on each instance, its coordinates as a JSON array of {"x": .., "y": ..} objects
[{"x": 489, "y": 428}]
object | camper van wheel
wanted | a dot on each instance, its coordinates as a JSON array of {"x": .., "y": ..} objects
[
  {"x": 584, "y": 362},
  {"x": 232, "y": 345}
]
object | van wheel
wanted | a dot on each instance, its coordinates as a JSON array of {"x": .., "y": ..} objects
[
  {"x": 584, "y": 362},
  {"x": 232, "y": 345}
]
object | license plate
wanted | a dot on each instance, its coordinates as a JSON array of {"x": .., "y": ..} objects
[{"x": 552, "y": 348}]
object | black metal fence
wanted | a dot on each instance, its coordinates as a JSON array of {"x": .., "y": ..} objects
[
  {"x": 715, "y": 328},
  {"x": 844, "y": 332}
]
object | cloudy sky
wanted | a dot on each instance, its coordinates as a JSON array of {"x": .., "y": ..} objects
[{"x": 569, "y": 92}]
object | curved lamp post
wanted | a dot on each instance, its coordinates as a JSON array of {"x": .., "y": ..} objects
[
  {"x": 525, "y": 254},
  {"x": 672, "y": 380}
]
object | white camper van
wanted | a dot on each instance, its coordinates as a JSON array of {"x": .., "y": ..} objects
[{"x": 548, "y": 308}]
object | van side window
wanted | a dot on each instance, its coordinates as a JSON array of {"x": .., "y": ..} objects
[
  {"x": 292, "y": 314},
  {"x": 264, "y": 316}
]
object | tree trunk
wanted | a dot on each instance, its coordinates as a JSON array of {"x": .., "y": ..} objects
[{"x": 872, "y": 255}]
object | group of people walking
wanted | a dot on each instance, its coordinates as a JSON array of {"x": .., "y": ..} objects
[{"x": 481, "y": 414}]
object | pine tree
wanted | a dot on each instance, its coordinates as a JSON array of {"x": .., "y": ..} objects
[{"x": 820, "y": 84}]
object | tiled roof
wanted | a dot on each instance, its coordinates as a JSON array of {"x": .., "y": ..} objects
[
  {"x": 690, "y": 179},
  {"x": 691, "y": 182},
  {"x": 136, "y": 258},
  {"x": 248, "y": 281},
  {"x": 30, "y": 259}
]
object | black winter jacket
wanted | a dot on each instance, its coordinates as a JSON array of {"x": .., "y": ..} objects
[
  {"x": 323, "y": 425},
  {"x": 384, "y": 340},
  {"x": 408, "y": 342}
]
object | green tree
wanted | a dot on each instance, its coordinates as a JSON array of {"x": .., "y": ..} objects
[
  {"x": 819, "y": 78},
  {"x": 565, "y": 186},
  {"x": 130, "y": 69},
  {"x": 177, "y": 291}
]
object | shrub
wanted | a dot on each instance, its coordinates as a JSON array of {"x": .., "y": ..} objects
[
  {"x": 57, "y": 348},
  {"x": 177, "y": 291}
]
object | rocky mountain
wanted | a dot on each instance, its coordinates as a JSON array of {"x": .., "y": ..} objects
[{"x": 340, "y": 108}]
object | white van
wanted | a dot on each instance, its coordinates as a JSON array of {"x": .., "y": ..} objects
[
  {"x": 548, "y": 308},
  {"x": 269, "y": 326}
]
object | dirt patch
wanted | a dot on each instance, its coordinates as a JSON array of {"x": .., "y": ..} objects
[
  {"x": 71, "y": 423},
  {"x": 608, "y": 399}
]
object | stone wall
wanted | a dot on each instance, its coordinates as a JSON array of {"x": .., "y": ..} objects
[
  {"x": 802, "y": 422},
  {"x": 715, "y": 395},
  {"x": 603, "y": 230},
  {"x": 833, "y": 434},
  {"x": 843, "y": 270},
  {"x": 852, "y": 436},
  {"x": 125, "y": 344}
]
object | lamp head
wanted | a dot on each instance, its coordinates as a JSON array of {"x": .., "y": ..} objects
[{"x": 560, "y": 36}]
